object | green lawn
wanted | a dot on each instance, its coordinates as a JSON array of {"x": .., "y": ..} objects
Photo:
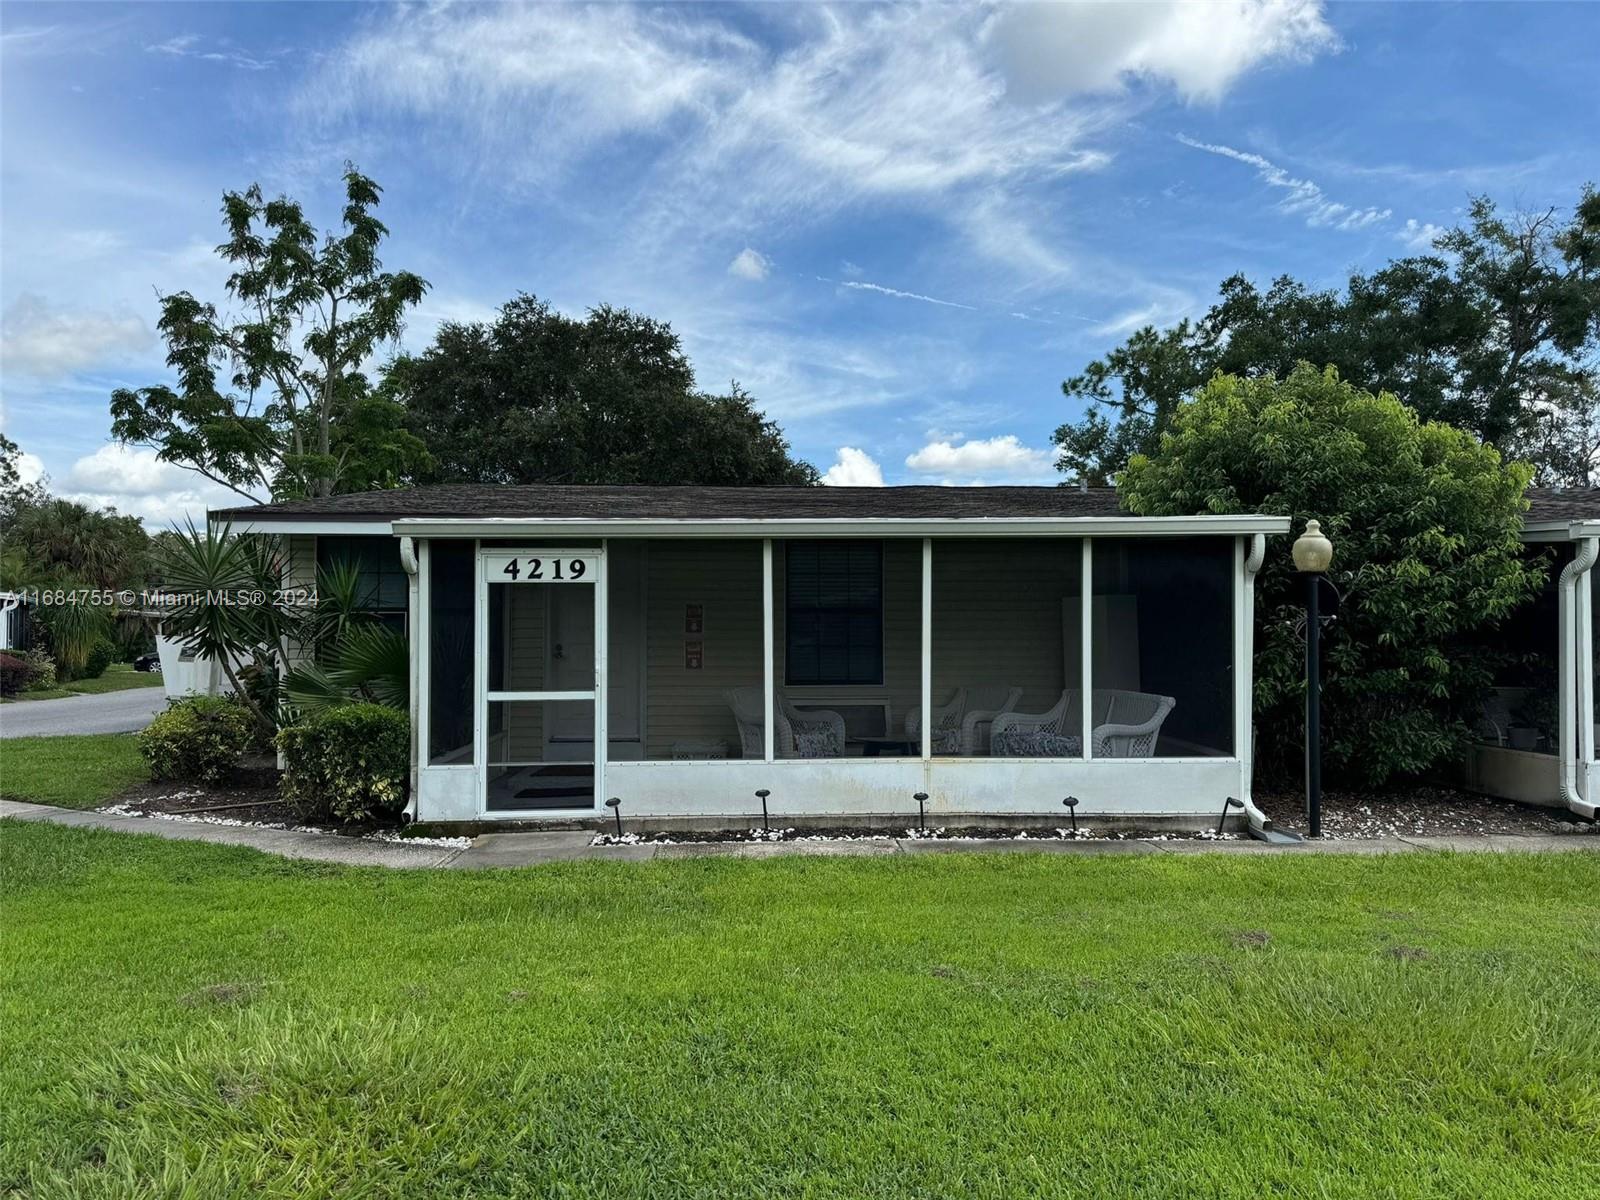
[
  {"x": 118, "y": 677},
  {"x": 79, "y": 771},
  {"x": 182, "y": 1019}
]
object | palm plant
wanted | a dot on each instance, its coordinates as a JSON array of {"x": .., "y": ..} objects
[
  {"x": 65, "y": 539},
  {"x": 73, "y": 630},
  {"x": 368, "y": 662},
  {"x": 221, "y": 591}
]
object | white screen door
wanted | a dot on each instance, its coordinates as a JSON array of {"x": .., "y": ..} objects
[{"x": 541, "y": 710}]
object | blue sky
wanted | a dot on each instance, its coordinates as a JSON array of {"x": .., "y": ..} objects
[{"x": 899, "y": 227}]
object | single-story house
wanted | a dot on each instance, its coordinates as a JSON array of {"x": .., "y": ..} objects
[
  {"x": 1538, "y": 736},
  {"x": 999, "y": 649}
]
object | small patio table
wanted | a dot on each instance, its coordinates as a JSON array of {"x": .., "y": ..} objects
[{"x": 874, "y": 747}]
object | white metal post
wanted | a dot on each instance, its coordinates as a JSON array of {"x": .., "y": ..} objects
[
  {"x": 767, "y": 650},
  {"x": 927, "y": 648},
  {"x": 421, "y": 668},
  {"x": 602, "y": 652},
  {"x": 480, "y": 676},
  {"x": 1086, "y": 636}
]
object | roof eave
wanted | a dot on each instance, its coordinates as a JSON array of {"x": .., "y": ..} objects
[
  {"x": 1110, "y": 526},
  {"x": 1559, "y": 530}
]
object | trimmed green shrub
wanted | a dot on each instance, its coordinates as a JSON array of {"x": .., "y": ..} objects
[
  {"x": 199, "y": 739},
  {"x": 17, "y": 674},
  {"x": 44, "y": 669},
  {"x": 101, "y": 655},
  {"x": 351, "y": 763}
]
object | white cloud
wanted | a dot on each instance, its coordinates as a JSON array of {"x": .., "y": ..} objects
[
  {"x": 750, "y": 264},
  {"x": 1001, "y": 459},
  {"x": 132, "y": 480},
  {"x": 920, "y": 104},
  {"x": 1305, "y": 198},
  {"x": 853, "y": 468},
  {"x": 41, "y": 340},
  {"x": 1200, "y": 49},
  {"x": 191, "y": 45},
  {"x": 30, "y": 468},
  {"x": 859, "y": 286},
  {"x": 1419, "y": 236}
]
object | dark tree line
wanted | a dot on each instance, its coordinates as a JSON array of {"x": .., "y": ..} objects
[{"x": 1497, "y": 332}]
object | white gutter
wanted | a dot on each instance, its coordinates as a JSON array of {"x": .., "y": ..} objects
[
  {"x": 765, "y": 527},
  {"x": 1559, "y": 531},
  {"x": 1583, "y": 560},
  {"x": 1247, "y": 748}
]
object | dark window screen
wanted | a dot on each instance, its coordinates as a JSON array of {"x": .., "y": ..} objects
[
  {"x": 384, "y": 586},
  {"x": 834, "y": 622}
]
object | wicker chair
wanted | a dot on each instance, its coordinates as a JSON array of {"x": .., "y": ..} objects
[
  {"x": 961, "y": 724},
  {"x": 1126, "y": 726},
  {"x": 817, "y": 733}
]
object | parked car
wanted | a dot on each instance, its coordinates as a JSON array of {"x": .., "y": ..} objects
[{"x": 148, "y": 662}]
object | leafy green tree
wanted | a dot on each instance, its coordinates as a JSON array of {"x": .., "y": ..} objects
[
  {"x": 270, "y": 399},
  {"x": 63, "y": 540},
  {"x": 1425, "y": 521},
  {"x": 1498, "y": 333},
  {"x": 540, "y": 397},
  {"x": 14, "y": 494}
]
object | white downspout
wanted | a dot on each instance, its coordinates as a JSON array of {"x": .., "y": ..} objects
[
  {"x": 1247, "y": 728},
  {"x": 1566, "y": 676}
]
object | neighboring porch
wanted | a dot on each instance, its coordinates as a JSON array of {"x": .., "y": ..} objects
[
  {"x": 842, "y": 673},
  {"x": 1537, "y": 742}
]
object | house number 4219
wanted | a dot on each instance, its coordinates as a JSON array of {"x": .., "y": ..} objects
[{"x": 545, "y": 570}]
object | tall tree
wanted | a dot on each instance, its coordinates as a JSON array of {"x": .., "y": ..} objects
[
  {"x": 14, "y": 494},
  {"x": 270, "y": 400},
  {"x": 1425, "y": 522},
  {"x": 64, "y": 541},
  {"x": 1498, "y": 333},
  {"x": 541, "y": 397}
]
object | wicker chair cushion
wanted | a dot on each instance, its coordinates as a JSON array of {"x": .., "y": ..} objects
[
  {"x": 816, "y": 743},
  {"x": 1034, "y": 743}
]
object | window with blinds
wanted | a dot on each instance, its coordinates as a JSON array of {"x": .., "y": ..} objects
[
  {"x": 384, "y": 587},
  {"x": 834, "y": 613}
]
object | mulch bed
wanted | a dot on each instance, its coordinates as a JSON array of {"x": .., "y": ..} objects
[
  {"x": 251, "y": 798},
  {"x": 1418, "y": 812},
  {"x": 241, "y": 802},
  {"x": 1414, "y": 812}
]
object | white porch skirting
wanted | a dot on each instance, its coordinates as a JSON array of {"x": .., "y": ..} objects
[{"x": 882, "y": 787}]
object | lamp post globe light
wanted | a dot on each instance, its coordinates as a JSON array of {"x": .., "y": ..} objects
[{"x": 1312, "y": 553}]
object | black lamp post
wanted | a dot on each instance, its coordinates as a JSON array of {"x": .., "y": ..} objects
[
  {"x": 1312, "y": 553},
  {"x": 762, "y": 794},
  {"x": 615, "y": 805}
]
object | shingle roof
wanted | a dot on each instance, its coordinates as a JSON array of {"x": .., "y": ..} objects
[
  {"x": 690, "y": 503},
  {"x": 1564, "y": 504}
]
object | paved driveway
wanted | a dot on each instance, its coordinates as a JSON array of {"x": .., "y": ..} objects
[{"x": 110, "y": 712}]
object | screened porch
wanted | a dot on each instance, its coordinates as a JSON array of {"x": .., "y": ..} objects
[{"x": 686, "y": 657}]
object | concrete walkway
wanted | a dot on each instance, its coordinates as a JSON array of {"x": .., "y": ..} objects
[
  {"x": 108, "y": 712},
  {"x": 531, "y": 849},
  {"x": 319, "y": 847}
]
